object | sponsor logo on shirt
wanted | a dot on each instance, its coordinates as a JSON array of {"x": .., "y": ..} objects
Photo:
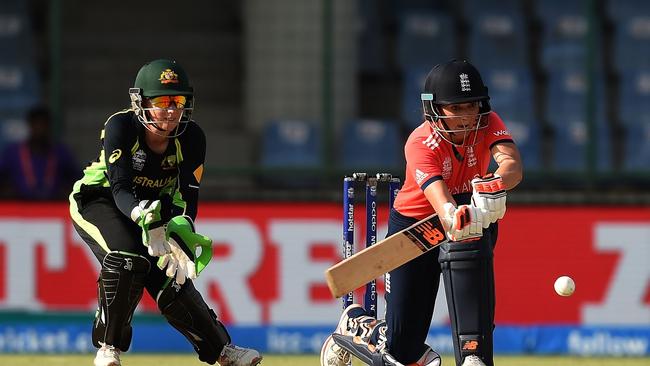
[
  {"x": 461, "y": 188},
  {"x": 139, "y": 157},
  {"x": 501, "y": 133},
  {"x": 420, "y": 176},
  {"x": 114, "y": 156},
  {"x": 470, "y": 157},
  {"x": 169, "y": 162},
  {"x": 446, "y": 168},
  {"x": 154, "y": 183}
]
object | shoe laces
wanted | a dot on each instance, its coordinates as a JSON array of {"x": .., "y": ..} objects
[
  {"x": 108, "y": 351},
  {"x": 341, "y": 355},
  {"x": 473, "y": 360},
  {"x": 232, "y": 351}
]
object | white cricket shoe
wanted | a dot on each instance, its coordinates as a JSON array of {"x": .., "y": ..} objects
[
  {"x": 473, "y": 360},
  {"x": 333, "y": 355},
  {"x": 344, "y": 327},
  {"x": 239, "y": 356},
  {"x": 108, "y": 356}
]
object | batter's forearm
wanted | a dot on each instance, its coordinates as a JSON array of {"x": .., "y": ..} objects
[{"x": 510, "y": 171}]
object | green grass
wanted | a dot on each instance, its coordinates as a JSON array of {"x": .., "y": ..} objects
[{"x": 276, "y": 360}]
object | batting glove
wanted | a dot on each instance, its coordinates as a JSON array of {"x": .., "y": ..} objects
[
  {"x": 183, "y": 261},
  {"x": 490, "y": 194},
  {"x": 464, "y": 222},
  {"x": 147, "y": 215}
]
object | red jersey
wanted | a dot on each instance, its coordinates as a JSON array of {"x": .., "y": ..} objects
[{"x": 430, "y": 158}]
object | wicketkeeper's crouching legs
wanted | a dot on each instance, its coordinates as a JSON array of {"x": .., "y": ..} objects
[
  {"x": 186, "y": 311},
  {"x": 120, "y": 286}
]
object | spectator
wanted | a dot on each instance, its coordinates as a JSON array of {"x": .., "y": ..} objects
[{"x": 38, "y": 168}]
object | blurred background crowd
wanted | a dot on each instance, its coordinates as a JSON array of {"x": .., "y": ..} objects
[{"x": 293, "y": 94}]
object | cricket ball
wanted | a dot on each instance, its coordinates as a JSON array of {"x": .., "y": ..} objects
[{"x": 564, "y": 286}]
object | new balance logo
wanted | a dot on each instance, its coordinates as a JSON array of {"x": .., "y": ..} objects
[
  {"x": 470, "y": 345},
  {"x": 464, "y": 82}
]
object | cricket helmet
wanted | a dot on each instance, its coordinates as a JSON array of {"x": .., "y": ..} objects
[
  {"x": 158, "y": 78},
  {"x": 455, "y": 82}
]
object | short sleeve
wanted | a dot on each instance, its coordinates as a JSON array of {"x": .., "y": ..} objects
[
  {"x": 497, "y": 131},
  {"x": 422, "y": 160}
]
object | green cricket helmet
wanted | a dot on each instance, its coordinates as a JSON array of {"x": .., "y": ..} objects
[{"x": 159, "y": 78}]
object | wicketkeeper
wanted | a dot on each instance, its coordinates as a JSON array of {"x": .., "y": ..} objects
[
  {"x": 135, "y": 207},
  {"x": 447, "y": 160}
]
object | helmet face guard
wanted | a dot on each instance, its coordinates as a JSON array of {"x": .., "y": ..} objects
[
  {"x": 471, "y": 135},
  {"x": 162, "y": 78},
  {"x": 144, "y": 114},
  {"x": 456, "y": 82}
]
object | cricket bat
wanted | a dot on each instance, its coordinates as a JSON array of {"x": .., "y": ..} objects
[{"x": 386, "y": 255}]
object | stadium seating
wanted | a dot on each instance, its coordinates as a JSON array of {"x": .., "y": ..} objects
[
  {"x": 498, "y": 40},
  {"x": 567, "y": 112},
  {"x": 19, "y": 80},
  {"x": 509, "y": 7},
  {"x": 13, "y": 126},
  {"x": 425, "y": 39},
  {"x": 618, "y": 9},
  {"x": 566, "y": 95},
  {"x": 634, "y": 97},
  {"x": 528, "y": 138},
  {"x": 291, "y": 143},
  {"x": 371, "y": 144},
  {"x": 570, "y": 147},
  {"x": 19, "y": 86},
  {"x": 637, "y": 148},
  {"x": 511, "y": 93},
  {"x": 632, "y": 42},
  {"x": 634, "y": 112},
  {"x": 372, "y": 45},
  {"x": 412, "y": 88},
  {"x": 564, "y": 36}
]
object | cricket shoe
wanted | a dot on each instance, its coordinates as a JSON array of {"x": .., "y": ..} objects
[
  {"x": 108, "y": 356},
  {"x": 331, "y": 354},
  {"x": 351, "y": 319},
  {"x": 239, "y": 356},
  {"x": 473, "y": 360},
  {"x": 430, "y": 358}
]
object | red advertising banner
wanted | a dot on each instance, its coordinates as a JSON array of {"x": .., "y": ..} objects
[{"x": 269, "y": 260}]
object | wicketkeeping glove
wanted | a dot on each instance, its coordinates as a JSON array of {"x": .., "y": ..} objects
[
  {"x": 147, "y": 215},
  {"x": 490, "y": 195},
  {"x": 464, "y": 222},
  {"x": 183, "y": 261}
]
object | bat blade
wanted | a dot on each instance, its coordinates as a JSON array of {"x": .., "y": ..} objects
[{"x": 386, "y": 255}]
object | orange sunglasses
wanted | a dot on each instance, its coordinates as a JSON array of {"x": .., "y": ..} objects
[{"x": 165, "y": 101}]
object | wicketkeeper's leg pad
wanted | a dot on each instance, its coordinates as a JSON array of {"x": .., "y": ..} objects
[
  {"x": 185, "y": 310},
  {"x": 468, "y": 274},
  {"x": 120, "y": 288}
]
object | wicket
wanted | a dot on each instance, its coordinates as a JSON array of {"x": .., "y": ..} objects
[{"x": 371, "y": 185}]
